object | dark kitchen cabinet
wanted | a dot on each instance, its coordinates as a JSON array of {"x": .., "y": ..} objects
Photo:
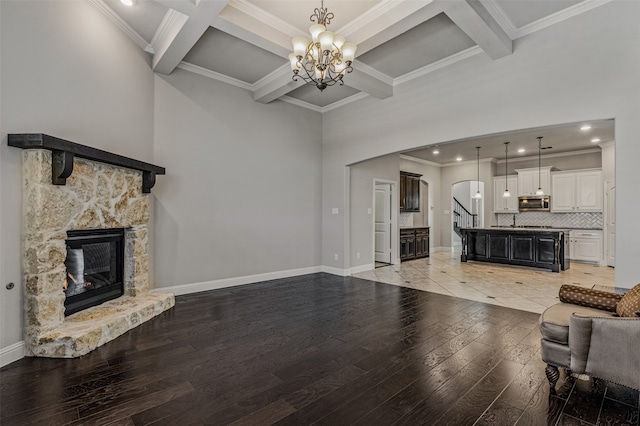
[
  {"x": 541, "y": 249},
  {"x": 407, "y": 244},
  {"x": 422, "y": 242},
  {"x": 409, "y": 192},
  {"x": 414, "y": 243}
]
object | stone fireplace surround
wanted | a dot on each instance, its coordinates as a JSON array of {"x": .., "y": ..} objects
[{"x": 96, "y": 195}]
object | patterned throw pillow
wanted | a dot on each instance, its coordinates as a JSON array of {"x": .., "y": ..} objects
[
  {"x": 629, "y": 305},
  {"x": 589, "y": 298}
]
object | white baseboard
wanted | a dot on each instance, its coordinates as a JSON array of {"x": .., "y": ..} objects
[
  {"x": 363, "y": 268},
  {"x": 336, "y": 271},
  {"x": 12, "y": 353},
  {"x": 232, "y": 282},
  {"x": 435, "y": 249}
]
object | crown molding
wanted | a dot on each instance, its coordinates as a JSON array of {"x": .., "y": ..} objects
[
  {"x": 419, "y": 160},
  {"x": 298, "y": 102},
  {"x": 345, "y": 101},
  {"x": 514, "y": 33},
  {"x": 120, "y": 23},
  {"x": 265, "y": 17},
  {"x": 556, "y": 155},
  {"x": 459, "y": 163},
  {"x": 215, "y": 76},
  {"x": 442, "y": 63},
  {"x": 379, "y": 10}
]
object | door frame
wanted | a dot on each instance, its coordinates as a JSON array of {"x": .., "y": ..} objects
[
  {"x": 608, "y": 186},
  {"x": 395, "y": 231}
]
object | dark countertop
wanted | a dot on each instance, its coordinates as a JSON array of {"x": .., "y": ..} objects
[{"x": 516, "y": 229}]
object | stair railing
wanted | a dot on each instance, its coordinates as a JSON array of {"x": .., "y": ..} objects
[{"x": 462, "y": 218}]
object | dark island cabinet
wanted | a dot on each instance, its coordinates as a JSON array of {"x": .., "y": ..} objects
[
  {"x": 535, "y": 248},
  {"x": 414, "y": 243},
  {"x": 409, "y": 192}
]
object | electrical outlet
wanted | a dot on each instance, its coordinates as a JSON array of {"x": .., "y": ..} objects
[
  {"x": 369, "y": 211},
  {"x": 358, "y": 255},
  {"x": 335, "y": 256}
]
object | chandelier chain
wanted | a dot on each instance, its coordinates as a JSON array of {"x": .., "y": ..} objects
[{"x": 321, "y": 15}]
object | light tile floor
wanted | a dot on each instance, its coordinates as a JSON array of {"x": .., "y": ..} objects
[{"x": 527, "y": 289}]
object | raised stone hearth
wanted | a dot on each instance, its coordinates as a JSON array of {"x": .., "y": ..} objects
[{"x": 96, "y": 195}]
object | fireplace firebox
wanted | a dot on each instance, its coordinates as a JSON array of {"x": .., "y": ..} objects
[{"x": 94, "y": 263}]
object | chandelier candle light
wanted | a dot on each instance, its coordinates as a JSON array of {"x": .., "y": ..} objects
[{"x": 327, "y": 58}]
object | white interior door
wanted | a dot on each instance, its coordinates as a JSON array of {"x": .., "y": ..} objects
[
  {"x": 383, "y": 223},
  {"x": 610, "y": 223}
]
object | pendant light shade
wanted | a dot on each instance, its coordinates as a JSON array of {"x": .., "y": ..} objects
[
  {"x": 506, "y": 180},
  {"x": 478, "y": 194},
  {"x": 539, "y": 191}
]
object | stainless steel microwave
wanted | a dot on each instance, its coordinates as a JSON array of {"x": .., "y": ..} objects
[{"x": 537, "y": 203}]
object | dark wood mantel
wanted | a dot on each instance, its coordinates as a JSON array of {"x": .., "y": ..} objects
[{"x": 63, "y": 153}]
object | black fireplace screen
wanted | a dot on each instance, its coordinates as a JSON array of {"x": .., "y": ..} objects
[{"x": 94, "y": 267}]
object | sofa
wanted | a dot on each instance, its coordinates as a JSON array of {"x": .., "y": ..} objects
[{"x": 592, "y": 332}]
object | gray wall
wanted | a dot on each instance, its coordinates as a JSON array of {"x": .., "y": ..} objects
[
  {"x": 362, "y": 175},
  {"x": 242, "y": 194},
  {"x": 543, "y": 83},
  {"x": 69, "y": 72}
]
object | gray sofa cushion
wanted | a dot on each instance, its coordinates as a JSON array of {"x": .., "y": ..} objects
[{"x": 554, "y": 321}]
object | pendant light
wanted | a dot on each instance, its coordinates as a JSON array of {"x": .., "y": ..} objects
[
  {"x": 478, "y": 194},
  {"x": 539, "y": 191},
  {"x": 506, "y": 155}
]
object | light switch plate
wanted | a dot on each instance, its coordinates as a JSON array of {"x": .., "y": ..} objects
[
  {"x": 369, "y": 211},
  {"x": 334, "y": 210}
]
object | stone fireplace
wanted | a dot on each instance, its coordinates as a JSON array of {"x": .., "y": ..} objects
[{"x": 92, "y": 195}]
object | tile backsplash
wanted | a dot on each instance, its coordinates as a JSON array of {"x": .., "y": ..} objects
[
  {"x": 406, "y": 220},
  {"x": 555, "y": 220}
]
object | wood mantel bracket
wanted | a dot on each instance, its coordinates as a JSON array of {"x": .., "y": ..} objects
[{"x": 63, "y": 153}]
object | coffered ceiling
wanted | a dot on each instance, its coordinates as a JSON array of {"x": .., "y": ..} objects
[{"x": 246, "y": 42}]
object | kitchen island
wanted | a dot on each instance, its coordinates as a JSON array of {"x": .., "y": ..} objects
[{"x": 535, "y": 247}]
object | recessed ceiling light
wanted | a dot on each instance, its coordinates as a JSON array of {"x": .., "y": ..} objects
[
  {"x": 435, "y": 151},
  {"x": 458, "y": 158},
  {"x": 585, "y": 127},
  {"x": 595, "y": 140},
  {"x": 521, "y": 150},
  {"x": 127, "y": 2}
]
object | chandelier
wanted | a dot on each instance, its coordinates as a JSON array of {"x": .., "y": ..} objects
[{"x": 326, "y": 59}]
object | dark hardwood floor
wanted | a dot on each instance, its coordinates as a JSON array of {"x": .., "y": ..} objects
[{"x": 316, "y": 349}]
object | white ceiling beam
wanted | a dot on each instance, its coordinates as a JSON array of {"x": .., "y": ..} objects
[
  {"x": 253, "y": 30},
  {"x": 388, "y": 20},
  {"x": 276, "y": 84},
  {"x": 369, "y": 80},
  {"x": 181, "y": 33},
  {"x": 474, "y": 19}
]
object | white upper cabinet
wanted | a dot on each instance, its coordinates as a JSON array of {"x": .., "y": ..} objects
[
  {"x": 579, "y": 191},
  {"x": 528, "y": 181},
  {"x": 505, "y": 204}
]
